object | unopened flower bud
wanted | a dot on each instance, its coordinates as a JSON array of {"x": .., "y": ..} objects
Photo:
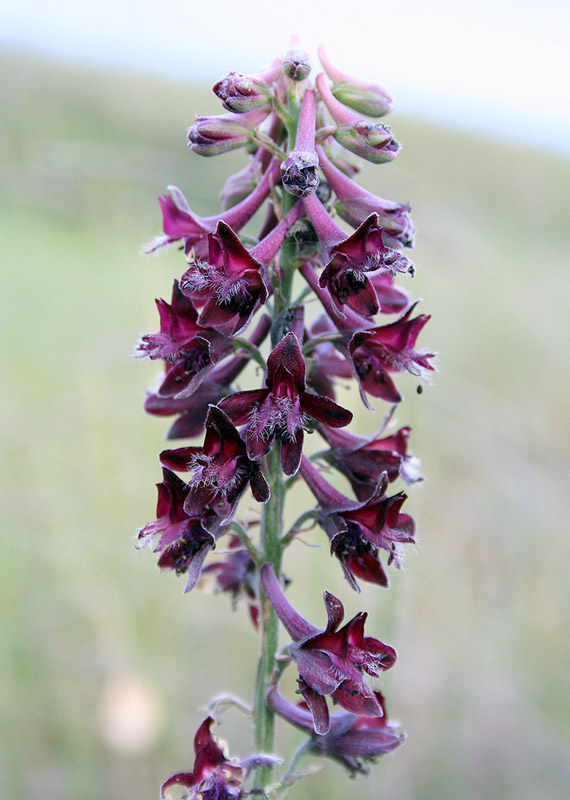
[
  {"x": 296, "y": 64},
  {"x": 241, "y": 93},
  {"x": 364, "y": 97},
  {"x": 299, "y": 173},
  {"x": 369, "y": 140},
  {"x": 210, "y": 136}
]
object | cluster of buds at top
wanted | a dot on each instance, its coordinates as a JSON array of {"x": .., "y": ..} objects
[{"x": 239, "y": 300}]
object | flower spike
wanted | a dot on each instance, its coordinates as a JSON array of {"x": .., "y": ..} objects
[{"x": 238, "y": 313}]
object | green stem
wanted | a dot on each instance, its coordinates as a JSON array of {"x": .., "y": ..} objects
[{"x": 271, "y": 547}]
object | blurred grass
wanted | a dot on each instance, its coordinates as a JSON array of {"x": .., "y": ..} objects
[{"x": 480, "y": 615}]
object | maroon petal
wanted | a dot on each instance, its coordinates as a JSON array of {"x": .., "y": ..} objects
[
  {"x": 325, "y": 410},
  {"x": 287, "y": 355},
  {"x": 367, "y": 567},
  {"x": 177, "y": 220},
  {"x": 183, "y": 779},
  {"x": 195, "y": 568},
  {"x": 257, "y": 445},
  {"x": 180, "y": 459},
  {"x": 205, "y": 738},
  {"x": 319, "y": 709},
  {"x": 259, "y": 486},
  {"x": 385, "y": 655},
  {"x": 364, "y": 301},
  {"x": 358, "y": 699},
  {"x": 291, "y": 452},
  {"x": 316, "y": 668},
  {"x": 335, "y": 611},
  {"x": 376, "y": 381},
  {"x": 238, "y": 406}
]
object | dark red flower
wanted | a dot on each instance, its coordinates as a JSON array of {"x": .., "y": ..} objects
[
  {"x": 231, "y": 283},
  {"x": 349, "y": 261},
  {"x": 363, "y": 461},
  {"x": 194, "y": 409},
  {"x": 279, "y": 410},
  {"x": 377, "y": 351},
  {"x": 215, "y": 776},
  {"x": 351, "y": 739},
  {"x": 331, "y": 661},
  {"x": 221, "y": 469},
  {"x": 184, "y": 542},
  {"x": 358, "y": 530},
  {"x": 189, "y": 350}
]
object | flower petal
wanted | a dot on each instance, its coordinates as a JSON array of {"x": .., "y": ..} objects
[{"x": 319, "y": 709}]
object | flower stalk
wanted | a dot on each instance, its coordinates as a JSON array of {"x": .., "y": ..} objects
[{"x": 232, "y": 308}]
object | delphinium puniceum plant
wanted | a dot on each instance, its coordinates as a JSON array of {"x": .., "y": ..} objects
[{"x": 239, "y": 300}]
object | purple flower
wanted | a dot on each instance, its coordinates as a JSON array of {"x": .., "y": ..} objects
[
  {"x": 363, "y": 461},
  {"x": 357, "y": 530},
  {"x": 331, "y": 661},
  {"x": 184, "y": 542},
  {"x": 180, "y": 222},
  {"x": 215, "y": 776},
  {"x": 369, "y": 140},
  {"x": 377, "y": 351},
  {"x": 189, "y": 349},
  {"x": 279, "y": 410},
  {"x": 351, "y": 739},
  {"x": 221, "y": 470},
  {"x": 364, "y": 97}
]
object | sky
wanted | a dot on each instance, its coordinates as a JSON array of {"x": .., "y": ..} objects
[{"x": 497, "y": 66}]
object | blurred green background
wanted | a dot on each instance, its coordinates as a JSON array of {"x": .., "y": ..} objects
[{"x": 106, "y": 667}]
